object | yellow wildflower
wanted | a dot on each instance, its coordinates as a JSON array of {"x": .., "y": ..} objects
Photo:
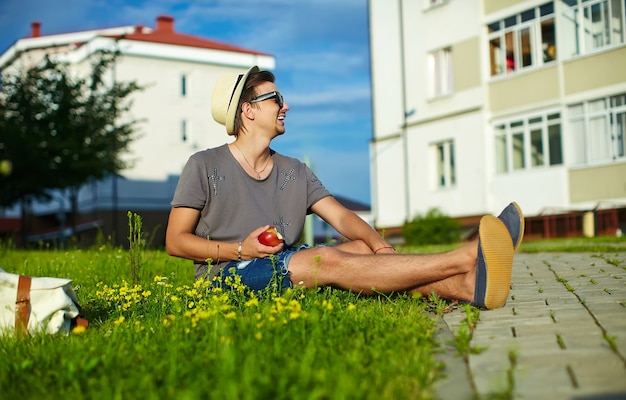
[{"x": 78, "y": 329}]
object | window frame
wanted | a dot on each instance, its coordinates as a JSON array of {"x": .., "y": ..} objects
[
  {"x": 440, "y": 66},
  {"x": 588, "y": 143},
  {"x": 443, "y": 153},
  {"x": 530, "y": 28},
  {"x": 183, "y": 85},
  {"x": 576, "y": 11},
  {"x": 515, "y": 149}
]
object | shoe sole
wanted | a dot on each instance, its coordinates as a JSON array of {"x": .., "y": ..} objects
[{"x": 497, "y": 249}]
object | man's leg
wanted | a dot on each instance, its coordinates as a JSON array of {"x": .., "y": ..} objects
[
  {"x": 451, "y": 275},
  {"x": 323, "y": 266}
]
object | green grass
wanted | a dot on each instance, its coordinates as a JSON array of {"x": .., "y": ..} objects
[
  {"x": 156, "y": 333},
  {"x": 601, "y": 244},
  {"x": 170, "y": 337}
]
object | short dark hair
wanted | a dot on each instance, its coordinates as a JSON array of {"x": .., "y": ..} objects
[{"x": 249, "y": 92}]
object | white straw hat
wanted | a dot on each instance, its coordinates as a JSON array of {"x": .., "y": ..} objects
[{"x": 226, "y": 96}]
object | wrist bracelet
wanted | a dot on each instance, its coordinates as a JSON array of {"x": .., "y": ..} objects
[
  {"x": 239, "y": 251},
  {"x": 384, "y": 247}
]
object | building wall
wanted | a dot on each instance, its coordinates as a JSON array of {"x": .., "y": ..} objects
[
  {"x": 470, "y": 115},
  {"x": 601, "y": 183},
  {"x": 605, "y": 69},
  {"x": 388, "y": 157},
  {"x": 528, "y": 90},
  {"x": 467, "y": 75},
  {"x": 162, "y": 148}
]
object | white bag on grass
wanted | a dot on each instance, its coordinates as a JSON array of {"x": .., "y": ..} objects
[{"x": 37, "y": 304}]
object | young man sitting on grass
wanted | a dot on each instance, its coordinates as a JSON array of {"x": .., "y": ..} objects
[{"x": 228, "y": 195}]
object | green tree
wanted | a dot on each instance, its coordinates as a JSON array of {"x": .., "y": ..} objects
[{"x": 61, "y": 131}]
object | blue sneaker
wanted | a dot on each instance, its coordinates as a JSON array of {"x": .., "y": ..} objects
[{"x": 513, "y": 219}]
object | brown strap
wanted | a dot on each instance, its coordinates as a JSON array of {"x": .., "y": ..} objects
[
  {"x": 79, "y": 321},
  {"x": 22, "y": 305}
]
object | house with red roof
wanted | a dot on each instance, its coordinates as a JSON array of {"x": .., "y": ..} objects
[{"x": 178, "y": 72}]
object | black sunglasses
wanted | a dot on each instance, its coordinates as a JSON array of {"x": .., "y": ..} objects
[{"x": 279, "y": 98}]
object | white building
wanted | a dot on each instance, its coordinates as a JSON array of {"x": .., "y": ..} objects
[
  {"x": 178, "y": 72},
  {"x": 480, "y": 102}
]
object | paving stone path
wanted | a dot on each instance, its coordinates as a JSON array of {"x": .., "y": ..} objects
[{"x": 561, "y": 334}]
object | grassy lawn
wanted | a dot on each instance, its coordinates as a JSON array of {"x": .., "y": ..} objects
[
  {"x": 169, "y": 337},
  {"x": 156, "y": 333}
]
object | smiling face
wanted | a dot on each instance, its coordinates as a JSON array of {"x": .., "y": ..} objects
[
  {"x": 268, "y": 114},
  {"x": 257, "y": 103}
]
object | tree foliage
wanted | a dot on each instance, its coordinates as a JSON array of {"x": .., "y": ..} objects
[{"x": 60, "y": 130}]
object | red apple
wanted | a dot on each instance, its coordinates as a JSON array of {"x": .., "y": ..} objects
[{"x": 271, "y": 237}]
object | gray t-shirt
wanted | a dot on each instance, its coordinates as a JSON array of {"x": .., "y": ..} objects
[{"x": 233, "y": 204}]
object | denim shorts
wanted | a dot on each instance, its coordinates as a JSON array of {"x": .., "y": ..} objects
[{"x": 258, "y": 273}]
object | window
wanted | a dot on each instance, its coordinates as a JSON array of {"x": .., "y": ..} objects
[
  {"x": 183, "y": 85},
  {"x": 183, "y": 130},
  {"x": 522, "y": 40},
  {"x": 591, "y": 25},
  {"x": 598, "y": 130},
  {"x": 444, "y": 159},
  {"x": 529, "y": 142},
  {"x": 440, "y": 72}
]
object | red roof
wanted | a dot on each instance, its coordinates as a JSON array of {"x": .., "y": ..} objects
[
  {"x": 164, "y": 33},
  {"x": 181, "y": 39}
]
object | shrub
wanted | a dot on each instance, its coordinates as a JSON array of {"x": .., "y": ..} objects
[{"x": 433, "y": 228}]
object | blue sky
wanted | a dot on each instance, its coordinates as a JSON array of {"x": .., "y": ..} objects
[{"x": 322, "y": 63}]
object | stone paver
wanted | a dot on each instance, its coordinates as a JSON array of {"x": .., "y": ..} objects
[{"x": 561, "y": 335}]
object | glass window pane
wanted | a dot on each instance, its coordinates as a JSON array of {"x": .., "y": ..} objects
[
  {"x": 548, "y": 44},
  {"x": 555, "y": 145},
  {"x": 620, "y": 142},
  {"x": 518, "y": 151},
  {"x": 440, "y": 168},
  {"x": 546, "y": 9},
  {"x": 494, "y": 27},
  {"x": 452, "y": 167},
  {"x": 575, "y": 110},
  {"x": 510, "y": 52},
  {"x": 552, "y": 117},
  {"x": 597, "y": 105},
  {"x": 528, "y": 15},
  {"x": 598, "y": 143},
  {"x": 509, "y": 22},
  {"x": 579, "y": 154},
  {"x": 496, "y": 55},
  {"x": 526, "y": 40},
  {"x": 618, "y": 100},
  {"x": 536, "y": 148},
  {"x": 501, "y": 154},
  {"x": 570, "y": 41},
  {"x": 596, "y": 26},
  {"x": 617, "y": 21}
]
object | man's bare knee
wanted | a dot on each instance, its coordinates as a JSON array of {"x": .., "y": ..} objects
[{"x": 315, "y": 266}]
